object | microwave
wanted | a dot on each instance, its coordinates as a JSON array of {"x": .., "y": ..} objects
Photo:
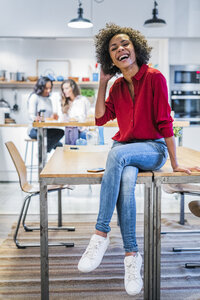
[{"x": 185, "y": 77}]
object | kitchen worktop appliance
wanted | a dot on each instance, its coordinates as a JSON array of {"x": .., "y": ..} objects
[{"x": 185, "y": 92}]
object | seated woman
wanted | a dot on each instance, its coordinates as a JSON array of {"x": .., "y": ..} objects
[
  {"x": 75, "y": 107},
  {"x": 39, "y": 102}
]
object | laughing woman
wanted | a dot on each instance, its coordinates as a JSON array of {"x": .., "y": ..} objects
[{"x": 139, "y": 101}]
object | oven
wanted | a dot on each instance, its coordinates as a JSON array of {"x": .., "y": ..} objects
[
  {"x": 186, "y": 104},
  {"x": 185, "y": 92}
]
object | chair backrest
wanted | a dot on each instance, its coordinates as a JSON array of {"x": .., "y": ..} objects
[
  {"x": 194, "y": 207},
  {"x": 19, "y": 163}
]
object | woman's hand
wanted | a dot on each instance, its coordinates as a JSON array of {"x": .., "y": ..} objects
[
  {"x": 39, "y": 119},
  {"x": 105, "y": 77},
  {"x": 187, "y": 170},
  {"x": 55, "y": 116}
]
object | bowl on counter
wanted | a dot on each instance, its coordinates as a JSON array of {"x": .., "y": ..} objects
[{"x": 32, "y": 78}]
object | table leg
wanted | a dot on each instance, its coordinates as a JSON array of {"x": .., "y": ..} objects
[
  {"x": 59, "y": 208},
  {"x": 42, "y": 147},
  {"x": 44, "y": 241},
  {"x": 148, "y": 240},
  {"x": 156, "y": 239}
]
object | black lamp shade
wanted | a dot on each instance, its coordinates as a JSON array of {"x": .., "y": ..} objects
[
  {"x": 80, "y": 22},
  {"x": 155, "y": 21}
]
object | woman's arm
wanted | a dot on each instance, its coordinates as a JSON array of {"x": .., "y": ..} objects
[
  {"x": 100, "y": 107},
  {"x": 171, "y": 146},
  {"x": 32, "y": 107}
]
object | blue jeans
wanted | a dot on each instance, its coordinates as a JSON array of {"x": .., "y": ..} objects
[{"x": 119, "y": 180}]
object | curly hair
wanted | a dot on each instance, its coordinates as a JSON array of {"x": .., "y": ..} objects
[
  {"x": 102, "y": 39},
  {"x": 40, "y": 85}
]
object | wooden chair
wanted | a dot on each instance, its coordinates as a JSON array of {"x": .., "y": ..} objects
[
  {"x": 182, "y": 190},
  {"x": 31, "y": 166},
  {"x": 33, "y": 190}
]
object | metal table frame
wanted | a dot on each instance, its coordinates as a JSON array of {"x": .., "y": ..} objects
[
  {"x": 158, "y": 181},
  {"x": 148, "y": 228},
  {"x": 42, "y": 148}
]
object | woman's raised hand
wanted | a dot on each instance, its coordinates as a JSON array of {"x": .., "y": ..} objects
[{"x": 105, "y": 77}]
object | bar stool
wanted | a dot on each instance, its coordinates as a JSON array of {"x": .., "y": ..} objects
[{"x": 31, "y": 166}]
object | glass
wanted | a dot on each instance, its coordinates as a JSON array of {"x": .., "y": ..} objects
[{"x": 92, "y": 136}]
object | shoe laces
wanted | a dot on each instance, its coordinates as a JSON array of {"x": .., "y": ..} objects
[
  {"x": 132, "y": 270},
  {"x": 92, "y": 249}
]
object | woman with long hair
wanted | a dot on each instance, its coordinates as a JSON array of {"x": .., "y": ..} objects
[
  {"x": 74, "y": 105},
  {"x": 40, "y": 107}
]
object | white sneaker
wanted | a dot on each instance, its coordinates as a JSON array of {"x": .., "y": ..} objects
[
  {"x": 94, "y": 253},
  {"x": 132, "y": 279}
]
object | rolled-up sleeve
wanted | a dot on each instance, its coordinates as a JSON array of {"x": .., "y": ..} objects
[{"x": 162, "y": 110}]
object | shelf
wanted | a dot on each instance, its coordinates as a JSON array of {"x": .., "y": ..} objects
[{"x": 31, "y": 84}]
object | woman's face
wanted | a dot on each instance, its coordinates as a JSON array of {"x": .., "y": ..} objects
[
  {"x": 47, "y": 89},
  {"x": 122, "y": 51},
  {"x": 67, "y": 90}
]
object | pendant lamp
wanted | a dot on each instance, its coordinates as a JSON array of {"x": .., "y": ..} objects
[
  {"x": 80, "y": 22},
  {"x": 155, "y": 21}
]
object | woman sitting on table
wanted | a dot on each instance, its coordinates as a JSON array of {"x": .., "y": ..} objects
[
  {"x": 39, "y": 108},
  {"x": 139, "y": 101}
]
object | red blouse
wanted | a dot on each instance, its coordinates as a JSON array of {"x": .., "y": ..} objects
[{"x": 145, "y": 117}]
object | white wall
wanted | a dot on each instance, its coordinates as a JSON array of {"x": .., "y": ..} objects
[
  {"x": 184, "y": 51},
  {"x": 21, "y": 54},
  {"x": 49, "y": 18}
]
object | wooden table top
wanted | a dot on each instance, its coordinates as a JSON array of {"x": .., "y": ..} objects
[
  {"x": 66, "y": 162},
  {"x": 186, "y": 157},
  {"x": 72, "y": 123},
  {"x": 91, "y": 122},
  {"x": 13, "y": 125}
]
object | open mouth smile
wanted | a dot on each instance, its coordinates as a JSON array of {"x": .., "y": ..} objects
[{"x": 123, "y": 57}]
